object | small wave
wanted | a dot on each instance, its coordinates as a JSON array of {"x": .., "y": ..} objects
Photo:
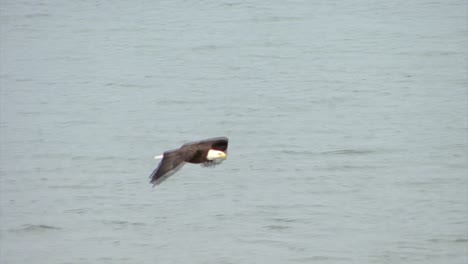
[
  {"x": 321, "y": 259},
  {"x": 457, "y": 240},
  {"x": 349, "y": 152},
  {"x": 123, "y": 223},
  {"x": 34, "y": 15},
  {"x": 77, "y": 210},
  {"x": 35, "y": 228},
  {"x": 207, "y": 47},
  {"x": 276, "y": 227},
  {"x": 348, "y": 167},
  {"x": 76, "y": 186},
  {"x": 300, "y": 152},
  {"x": 172, "y": 102},
  {"x": 332, "y": 152},
  {"x": 126, "y": 85},
  {"x": 284, "y": 220},
  {"x": 105, "y": 158}
]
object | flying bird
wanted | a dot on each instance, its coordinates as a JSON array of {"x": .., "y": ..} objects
[{"x": 209, "y": 152}]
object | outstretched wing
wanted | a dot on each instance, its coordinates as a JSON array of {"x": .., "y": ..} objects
[
  {"x": 217, "y": 143},
  {"x": 172, "y": 162}
]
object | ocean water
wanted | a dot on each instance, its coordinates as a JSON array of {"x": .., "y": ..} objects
[{"x": 347, "y": 123}]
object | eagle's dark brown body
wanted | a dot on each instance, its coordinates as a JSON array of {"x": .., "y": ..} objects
[{"x": 195, "y": 152}]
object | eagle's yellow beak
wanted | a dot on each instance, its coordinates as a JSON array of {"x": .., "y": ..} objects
[{"x": 223, "y": 155}]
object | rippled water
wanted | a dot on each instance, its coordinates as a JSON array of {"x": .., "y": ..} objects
[{"x": 347, "y": 126}]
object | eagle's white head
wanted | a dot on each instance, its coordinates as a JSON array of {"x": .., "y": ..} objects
[{"x": 216, "y": 155}]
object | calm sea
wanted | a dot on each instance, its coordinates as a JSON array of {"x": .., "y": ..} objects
[{"x": 347, "y": 123}]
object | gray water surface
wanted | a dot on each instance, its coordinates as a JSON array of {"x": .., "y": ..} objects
[{"x": 347, "y": 123}]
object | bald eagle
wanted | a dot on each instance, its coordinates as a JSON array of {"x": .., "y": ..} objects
[{"x": 209, "y": 152}]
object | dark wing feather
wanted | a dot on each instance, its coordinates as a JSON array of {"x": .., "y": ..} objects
[
  {"x": 220, "y": 144},
  {"x": 217, "y": 143},
  {"x": 172, "y": 161}
]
